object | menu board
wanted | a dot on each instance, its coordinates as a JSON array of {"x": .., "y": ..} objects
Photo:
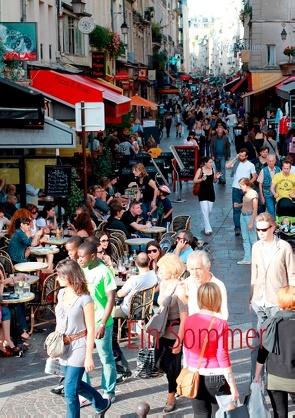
[
  {"x": 57, "y": 180},
  {"x": 189, "y": 158}
]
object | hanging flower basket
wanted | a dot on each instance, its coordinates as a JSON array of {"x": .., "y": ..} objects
[{"x": 289, "y": 51}]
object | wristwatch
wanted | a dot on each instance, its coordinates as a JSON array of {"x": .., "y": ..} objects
[{"x": 102, "y": 325}]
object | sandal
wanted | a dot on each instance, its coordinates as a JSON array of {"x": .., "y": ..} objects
[
  {"x": 25, "y": 335},
  {"x": 169, "y": 407}
]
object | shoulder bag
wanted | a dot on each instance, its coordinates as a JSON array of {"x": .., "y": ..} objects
[
  {"x": 196, "y": 188},
  {"x": 159, "y": 321},
  {"x": 188, "y": 381}
]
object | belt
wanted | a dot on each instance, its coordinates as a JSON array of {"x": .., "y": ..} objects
[
  {"x": 247, "y": 213},
  {"x": 69, "y": 338},
  {"x": 175, "y": 322}
]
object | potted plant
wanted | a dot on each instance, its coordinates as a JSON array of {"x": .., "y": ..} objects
[{"x": 289, "y": 51}]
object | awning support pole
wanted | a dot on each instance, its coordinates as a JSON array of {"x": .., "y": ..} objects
[{"x": 84, "y": 150}]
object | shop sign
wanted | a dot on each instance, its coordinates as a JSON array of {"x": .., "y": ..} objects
[{"x": 19, "y": 40}]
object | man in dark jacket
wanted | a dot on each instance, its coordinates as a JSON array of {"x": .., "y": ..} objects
[{"x": 220, "y": 151}]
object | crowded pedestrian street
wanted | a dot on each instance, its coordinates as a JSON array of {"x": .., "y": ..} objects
[{"x": 25, "y": 389}]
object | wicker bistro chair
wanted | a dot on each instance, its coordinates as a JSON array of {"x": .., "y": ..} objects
[
  {"x": 141, "y": 308},
  {"x": 117, "y": 233},
  {"x": 7, "y": 263},
  {"x": 118, "y": 244},
  {"x": 42, "y": 311},
  {"x": 180, "y": 222}
]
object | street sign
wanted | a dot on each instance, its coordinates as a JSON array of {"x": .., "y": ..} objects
[{"x": 94, "y": 116}]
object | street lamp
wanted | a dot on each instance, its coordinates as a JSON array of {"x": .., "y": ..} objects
[
  {"x": 124, "y": 28},
  {"x": 79, "y": 6},
  {"x": 283, "y": 34}
]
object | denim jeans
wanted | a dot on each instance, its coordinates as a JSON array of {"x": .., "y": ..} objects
[
  {"x": 147, "y": 207},
  {"x": 259, "y": 315},
  {"x": 249, "y": 237},
  {"x": 237, "y": 197},
  {"x": 205, "y": 404},
  {"x": 220, "y": 166},
  {"x": 106, "y": 355},
  {"x": 270, "y": 205},
  {"x": 74, "y": 386}
]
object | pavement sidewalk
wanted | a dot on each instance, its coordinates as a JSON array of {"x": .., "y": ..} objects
[{"x": 25, "y": 389}]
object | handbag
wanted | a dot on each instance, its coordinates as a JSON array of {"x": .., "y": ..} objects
[
  {"x": 55, "y": 345},
  {"x": 188, "y": 381},
  {"x": 145, "y": 364},
  {"x": 158, "y": 322},
  {"x": 197, "y": 186},
  {"x": 239, "y": 412}
]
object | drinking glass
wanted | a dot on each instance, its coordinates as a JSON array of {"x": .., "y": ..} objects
[{"x": 154, "y": 221}]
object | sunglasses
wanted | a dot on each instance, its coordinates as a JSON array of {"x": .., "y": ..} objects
[
  {"x": 152, "y": 251},
  {"x": 104, "y": 240},
  {"x": 100, "y": 252},
  {"x": 263, "y": 229},
  {"x": 179, "y": 238}
]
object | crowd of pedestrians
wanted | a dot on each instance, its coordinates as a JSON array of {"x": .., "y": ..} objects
[{"x": 89, "y": 301}]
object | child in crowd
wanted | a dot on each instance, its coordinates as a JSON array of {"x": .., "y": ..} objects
[
  {"x": 285, "y": 225},
  {"x": 164, "y": 206}
]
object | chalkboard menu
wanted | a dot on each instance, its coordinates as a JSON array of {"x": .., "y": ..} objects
[
  {"x": 57, "y": 180},
  {"x": 189, "y": 158}
]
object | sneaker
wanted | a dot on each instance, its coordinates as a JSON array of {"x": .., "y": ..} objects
[
  {"x": 59, "y": 390},
  {"x": 237, "y": 232},
  {"x": 83, "y": 401},
  {"x": 110, "y": 398},
  {"x": 244, "y": 262},
  {"x": 123, "y": 377}
]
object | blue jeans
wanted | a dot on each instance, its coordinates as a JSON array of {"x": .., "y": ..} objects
[
  {"x": 249, "y": 237},
  {"x": 74, "y": 386},
  {"x": 220, "y": 166},
  {"x": 270, "y": 202},
  {"x": 237, "y": 196},
  {"x": 105, "y": 351}
]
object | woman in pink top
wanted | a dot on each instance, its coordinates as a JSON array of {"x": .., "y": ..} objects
[{"x": 216, "y": 376}]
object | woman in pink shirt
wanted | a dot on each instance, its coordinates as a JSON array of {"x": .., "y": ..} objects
[{"x": 216, "y": 376}]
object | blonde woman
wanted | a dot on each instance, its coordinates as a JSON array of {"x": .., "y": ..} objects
[
  {"x": 249, "y": 207},
  {"x": 147, "y": 190},
  {"x": 168, "y": 349}
]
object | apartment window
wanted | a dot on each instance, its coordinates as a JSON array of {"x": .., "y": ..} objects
[
  {"x": 271, "y": 55},
  {"x": 73, "y": 38}
]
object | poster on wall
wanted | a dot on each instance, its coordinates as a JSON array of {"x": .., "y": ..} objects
[{"x": 19, "y": 40}]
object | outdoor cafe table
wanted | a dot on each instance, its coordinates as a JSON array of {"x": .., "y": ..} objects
[
  {"x": 44, "y": 251},
  {"x": 30, "y": 266},
  {"x": 153, "y": 230},
  {"x": 31, "y": 279},
  {"x": 138, "y": 241},
  {"x": 56, "y": 241},
  {"x": 23, "y": 299}
]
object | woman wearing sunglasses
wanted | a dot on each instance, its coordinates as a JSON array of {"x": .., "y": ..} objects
[
  {"x": 154, "y": 253},
  {"x": 34, "y": 213},
  {"x": 104, "y": 240}
]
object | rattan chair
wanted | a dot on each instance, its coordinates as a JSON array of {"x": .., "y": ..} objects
[
  {"x": 180, "y": 222},
  {"x": 43, "y": 311},
  {"x": 140, "y": 309},
  {"x": 121, "y": 236}
]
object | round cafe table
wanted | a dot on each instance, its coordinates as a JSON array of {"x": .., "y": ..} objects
[
  {"x": 138, "y": 241},
  {"x": 43, "y": 251},
  {"x": 31, "y": 279},
  {"x": 30, "y": 266},
  {"x": 23, "y": 299},
  {"x": 154, "y": 230},
  {"x": 54, "y": 241}
]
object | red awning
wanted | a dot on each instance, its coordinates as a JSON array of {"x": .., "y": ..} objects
[
  {"x": 168, "y": 91},
  {"x": 231, "y": 83},
  {"x": 241, "y": 86},
  {"x": 70, "y": 89},
  {"x": 185, "y": 77},
  {"x": 121, "y": 76}
]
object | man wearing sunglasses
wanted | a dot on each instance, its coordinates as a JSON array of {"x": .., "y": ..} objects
[{"x": 272, "y": 269}]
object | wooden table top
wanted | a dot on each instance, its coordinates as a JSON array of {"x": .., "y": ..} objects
[{"x": 54, "y": 241}]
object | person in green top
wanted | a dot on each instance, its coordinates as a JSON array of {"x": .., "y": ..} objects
[{"x": 102, "y": 287}]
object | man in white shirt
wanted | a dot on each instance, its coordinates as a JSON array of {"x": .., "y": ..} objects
[
  {"x": 241, "y": 167},
  {"x": 198, "y": 264},
  {"x": 145, "y": 278}
]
